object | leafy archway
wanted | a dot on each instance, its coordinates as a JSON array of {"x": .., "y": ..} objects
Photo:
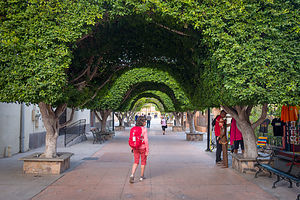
[
  {"x": 139, "y": 104},
  {"x": 161, "y": 97},
  {"x": 237, "y": 54},
  {"x": 111, "y": 98}
]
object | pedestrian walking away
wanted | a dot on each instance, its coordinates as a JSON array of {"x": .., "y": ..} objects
[
  {"x": 163, "y": 124},
  {"x": 148, "y": 120},
  {"x": 141, "y": 151}
]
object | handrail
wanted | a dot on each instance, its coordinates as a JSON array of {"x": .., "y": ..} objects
[{"x": 74, "y": 130}]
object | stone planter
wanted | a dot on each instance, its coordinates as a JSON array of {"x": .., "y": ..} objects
[
  {"x": 120, "y": 128},
  {"x": 177, "y": 129},
  {"x": 33, "y": 164},
  {"x": 194, "y": 136},
  {"x": 245, "y": 165}
]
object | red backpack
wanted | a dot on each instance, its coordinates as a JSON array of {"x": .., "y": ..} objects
[{"x": 136, "y": 138}]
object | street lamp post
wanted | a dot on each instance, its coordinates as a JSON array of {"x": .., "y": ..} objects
[{"x": 208, "y": 129}]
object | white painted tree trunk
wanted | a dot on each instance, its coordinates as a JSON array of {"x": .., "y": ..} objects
[
  {"x": 190, "y": 118},
  {"x": 178, "y": 116},
  {"x": 249, "y": 139},
  {"x": 241, "y": 114},
  {"x": 51, "y": 122},
  {"x": 103, "y": 119}
]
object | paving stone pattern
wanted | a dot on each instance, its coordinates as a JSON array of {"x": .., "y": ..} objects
[{"x": 175, "y": 170}]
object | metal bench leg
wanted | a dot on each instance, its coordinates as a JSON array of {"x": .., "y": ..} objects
[
  {"x": 278, "y": 179},
  {"x": 260, "y": 170},
  {"x": 291, "y": 184},
  {"x": 270, "y": 176}
]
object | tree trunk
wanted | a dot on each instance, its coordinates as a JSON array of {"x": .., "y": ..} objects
[
  {"x": 51, "y": 122},
  {"x": 103, "y": 119},
  {"x": 182, "y": 121},
  {"x": 177, "y": 118},
  {"x": 249, "y": 139},
  {"x": 120, "y": 117},
  {"x": 190, "y": 118},
  {"x": 241, "y": 115}
]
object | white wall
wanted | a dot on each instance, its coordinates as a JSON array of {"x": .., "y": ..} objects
[
  {"x": 78, "y": 115},
  {"x": 9, "y": 127},
  {"x": 10, "y": 124}
]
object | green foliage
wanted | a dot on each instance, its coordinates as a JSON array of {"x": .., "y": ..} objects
[
  {"x": 145, "y": 102},
  {"x": 207, "y": 52},
  {"x": 254, "y": 53},
  {"x": 111, "y": 97},
  {"x": 163, "y": 98},
  {"x": 36, "y": 37}
]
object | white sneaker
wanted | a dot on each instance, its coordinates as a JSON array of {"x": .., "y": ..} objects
[
  {"x": 142, "y": 178},
  {"x": 131, "y": 179}
]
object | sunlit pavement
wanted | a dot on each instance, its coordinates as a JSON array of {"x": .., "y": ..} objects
[{"x": 176, "y": 169}]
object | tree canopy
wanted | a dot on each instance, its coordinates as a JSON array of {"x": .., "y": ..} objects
[{"x": 208, "y": 53}]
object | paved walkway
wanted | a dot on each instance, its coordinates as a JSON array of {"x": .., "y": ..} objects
[{"x": 176, "y": 169}]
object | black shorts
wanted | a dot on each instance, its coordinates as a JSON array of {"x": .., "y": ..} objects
[
  {"x": 163, "y": 128},
  {"x": 237, "y": 144}
]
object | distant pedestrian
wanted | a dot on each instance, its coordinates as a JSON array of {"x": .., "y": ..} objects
[
  {"x": 141, "y": 152},
  {"x": 136, "y": 117},
  {"x": 148, "y": 120},
  {"x": 163, "y": 124}
]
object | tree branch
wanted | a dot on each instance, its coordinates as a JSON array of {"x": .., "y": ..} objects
[
  {"x": 60, "y": 109},
  {"x": 84, "y": 37},
  {"x": 97, "y": 116},
  {"x": 249, "y": 109},
  {"x": 127, "y": 94},
  {"x": 69, "y": 121},
  {"x": 231, "y": 111},
  {"x": 80, "y": 75},
  {"x": 262, "y": 117},
  {"x": 87, "y": 70},
  {"x": 97, "y": 90},
  {"x": 172, "y": 30},
  {"x": 238, "y": 109}
]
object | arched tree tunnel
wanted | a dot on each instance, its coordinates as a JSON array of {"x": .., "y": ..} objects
[
  {"x": 144, "y": 101},
  {"x": 159, "y": 89},
  {"x": 161, "y": 97},
  {"x": 103, "y": 55}
]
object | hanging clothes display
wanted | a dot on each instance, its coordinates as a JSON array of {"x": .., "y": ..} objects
[
  {"x": 277, "y": 127},
  {"x": 264, "y": 126},
  {"x": 292, "y": 132},
  {"x": 290, "y": 115}
]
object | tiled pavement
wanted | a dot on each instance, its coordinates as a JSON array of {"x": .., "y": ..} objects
[{"x": 176, "y": 169}]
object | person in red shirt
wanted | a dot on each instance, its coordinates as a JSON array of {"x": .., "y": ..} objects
[
  {"x": 217, "y": 134},
  {"x": 142, "y": 152}
]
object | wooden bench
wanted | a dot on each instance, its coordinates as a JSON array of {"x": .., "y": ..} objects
[
  {"x": 279, "y": 172},
  {"x": 98, "y": 136}
]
